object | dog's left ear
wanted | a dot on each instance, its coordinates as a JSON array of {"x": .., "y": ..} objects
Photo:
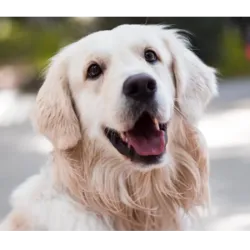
[
  {"x": 54, "y": 113},
  {"x": 196, "y": 82}
]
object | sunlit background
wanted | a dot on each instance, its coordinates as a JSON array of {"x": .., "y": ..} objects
[{"x": 27, "y": 43}]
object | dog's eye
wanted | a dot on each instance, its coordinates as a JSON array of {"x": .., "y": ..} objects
[
  {"x": 94, "y": 71},
  {"x": 150, "y": 56}
]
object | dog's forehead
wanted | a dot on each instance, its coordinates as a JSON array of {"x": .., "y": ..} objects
[{"x": 121, "y": 37}]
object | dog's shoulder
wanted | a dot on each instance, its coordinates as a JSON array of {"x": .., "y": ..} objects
[{"x": 38, "y": 205}]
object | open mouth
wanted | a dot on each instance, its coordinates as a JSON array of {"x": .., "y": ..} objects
[{"x": 145, "y": 142}]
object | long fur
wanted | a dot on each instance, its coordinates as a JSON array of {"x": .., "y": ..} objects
[{"x": 136, "y": 200}]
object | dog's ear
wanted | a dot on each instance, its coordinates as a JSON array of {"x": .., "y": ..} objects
[
  {"x": 54, "y": 114},
  {"x": 196, "y": 82}
]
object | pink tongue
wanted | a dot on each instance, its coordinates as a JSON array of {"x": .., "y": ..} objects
[{"x": 153, "y": 144}]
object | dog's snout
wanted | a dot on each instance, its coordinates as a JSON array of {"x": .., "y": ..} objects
[{"x": 140, "y": 87}]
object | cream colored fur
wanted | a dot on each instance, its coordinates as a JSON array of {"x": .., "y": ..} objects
[{"x": 88, "y": 185}]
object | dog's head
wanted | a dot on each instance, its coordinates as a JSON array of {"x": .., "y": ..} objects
[{"x": 122, "y": 87}]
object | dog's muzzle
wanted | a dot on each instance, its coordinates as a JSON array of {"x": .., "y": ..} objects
[{"x": 146, "y": 140}]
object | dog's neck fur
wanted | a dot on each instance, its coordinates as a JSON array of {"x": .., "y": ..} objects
[{"x": 131, "y": 199}]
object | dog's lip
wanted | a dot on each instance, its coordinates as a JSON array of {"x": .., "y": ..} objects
[
  {"x": 161, "y": 124},
  {"x": 158, "y": 122}
]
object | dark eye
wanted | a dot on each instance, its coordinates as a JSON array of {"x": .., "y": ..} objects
[
  {"x": 150, "y": 56},
  {"x": 94, "y": 71}
]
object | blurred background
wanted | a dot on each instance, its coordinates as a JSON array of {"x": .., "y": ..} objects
[{"x": 26, "y": 44}]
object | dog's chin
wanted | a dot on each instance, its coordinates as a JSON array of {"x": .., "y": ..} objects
[{"x": 144, "y": 144}]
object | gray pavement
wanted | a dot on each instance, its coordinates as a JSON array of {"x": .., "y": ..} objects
[{"x": 226, "y": 126}]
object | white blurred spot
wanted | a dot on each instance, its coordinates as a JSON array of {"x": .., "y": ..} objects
[
  {"x": 38, "y": 144},
  {"x": 14, "y": 107},
  {"x": 232, "y": 223},
  {"x": 86, "y": 20},
  {"x": 231, "y": 128}
]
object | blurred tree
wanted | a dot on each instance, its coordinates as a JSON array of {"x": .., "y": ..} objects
[
  {"x": 30, "y": 42},
  {"x": 243, "y": 24},
  {"x": 40, "y": 20}
]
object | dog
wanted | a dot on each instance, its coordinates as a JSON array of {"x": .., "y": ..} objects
[{"x": 121, "y": 109}]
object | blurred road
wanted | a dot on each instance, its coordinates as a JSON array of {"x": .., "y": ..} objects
[{"x": 226, "y": 127}]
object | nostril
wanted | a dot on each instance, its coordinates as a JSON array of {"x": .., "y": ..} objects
[{"x": 151, "y": 86}]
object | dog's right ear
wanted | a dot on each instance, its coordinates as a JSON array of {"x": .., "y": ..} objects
[
  {"x": 54, "y": 113},
  {"x": 195, "y": 82}
]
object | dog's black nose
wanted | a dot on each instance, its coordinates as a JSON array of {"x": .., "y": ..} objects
[{"x": 140, "y": 87}]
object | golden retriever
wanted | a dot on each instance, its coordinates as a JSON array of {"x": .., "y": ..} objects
[{"x": 120, "y": 107}]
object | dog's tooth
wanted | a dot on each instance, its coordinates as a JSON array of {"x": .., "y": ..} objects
[
  {"x": 123, "y": 136},
  {"x": 156, "y": 123}
]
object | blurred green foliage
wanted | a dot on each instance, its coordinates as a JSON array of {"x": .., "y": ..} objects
[
  {"x": 32, "y": 43},
  {"x": 232, "y": 61}
]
